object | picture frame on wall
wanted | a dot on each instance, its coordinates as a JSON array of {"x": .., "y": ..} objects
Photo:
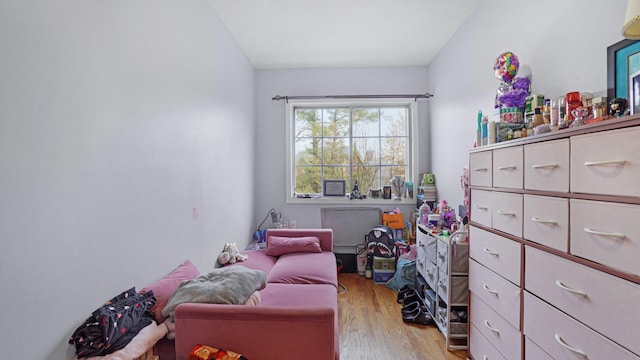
[
  {"x": 334, "y": 188},
  {"x": 623, "y": 60}
]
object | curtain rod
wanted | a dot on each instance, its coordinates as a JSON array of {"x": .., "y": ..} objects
[{"x": 406, "y": 96}]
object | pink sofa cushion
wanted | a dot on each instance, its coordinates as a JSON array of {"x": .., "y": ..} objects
[
  {"x": 304, "y": 296},
  {"x": 305, "y": 268},
  {"x": 164, "y": 288},
  {"x": 299, "y": 295},
  {"x": 257, "y": 260},
  {"x": 325, "y": 235},
  {"x": 280, "y": 245}
]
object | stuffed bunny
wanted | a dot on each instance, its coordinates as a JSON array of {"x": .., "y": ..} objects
[{"x": 230, "y": 254}]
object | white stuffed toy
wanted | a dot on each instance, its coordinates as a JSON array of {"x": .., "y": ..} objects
[{"x": 230, "y": 254}]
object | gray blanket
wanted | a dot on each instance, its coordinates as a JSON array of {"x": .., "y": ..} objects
[{"x": 226, "y": 285}]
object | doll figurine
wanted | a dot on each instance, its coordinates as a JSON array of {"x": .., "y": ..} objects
[{"x": 618, "y": 107}]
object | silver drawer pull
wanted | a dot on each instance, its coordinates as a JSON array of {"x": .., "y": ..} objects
[
  {"x": 551, "y": 222},
  {"x": 606, "y": 162},
  {"x": 480, "y": 169},
  {"x": 480, "y": 207},
  {"x": 608, "y": 234},
  {"x": 512, "y": 167},
  {"x": 484, "y": 357},
  {"x": 564, "y": 344},
  {"x": 545, "y": 166},
  {"x": 507, "y": 213},
  {"x": 565, "y": 287},
  {"x": 486, "y": 287},
  {"x": 489, "y": 251},
  {"x": 486, "y": 323}
]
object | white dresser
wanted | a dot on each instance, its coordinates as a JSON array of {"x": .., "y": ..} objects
[{"x": 554, "y": 245}]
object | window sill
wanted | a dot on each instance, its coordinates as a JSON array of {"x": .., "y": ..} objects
[{"x": 339, "y": 200}]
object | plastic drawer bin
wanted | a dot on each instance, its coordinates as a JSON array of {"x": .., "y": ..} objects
[
  {"x": 382, "y": 276},
  {"x": 382, "y": 263}
]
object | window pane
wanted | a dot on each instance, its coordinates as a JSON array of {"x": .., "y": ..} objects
[
  {"x": 366, "y": 122},
  {"x": 367, "y": 176},
  {"x": 308, "y": 122},
  {"x": 387, "y": 175},
  {"x": 394, "y": 151},
  {"x": 308, "y": 180},
  {"x": 336, "y": 151},
  {"x": 335, "y": 122},
  {"x": 366, "y": 151},
  {"x": 394, "y": 121},
  {"x": 307, "y": 151},
  {"x": 336, "y": 173}
]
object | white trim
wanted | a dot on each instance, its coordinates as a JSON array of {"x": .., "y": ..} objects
[{"x": 413, "y": 145}]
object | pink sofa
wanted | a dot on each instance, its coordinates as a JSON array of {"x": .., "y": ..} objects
[{"x": 297, "y": 317}]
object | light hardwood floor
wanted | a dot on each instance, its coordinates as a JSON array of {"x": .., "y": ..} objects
[{"x": 371, "y": 326}]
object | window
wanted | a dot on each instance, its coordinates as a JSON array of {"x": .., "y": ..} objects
[{"x": 368, "y": 141}]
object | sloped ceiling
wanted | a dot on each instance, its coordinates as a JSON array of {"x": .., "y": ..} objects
[{"x": 342, "y": 33}]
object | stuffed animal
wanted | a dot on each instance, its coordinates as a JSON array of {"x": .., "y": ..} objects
[{"x": 230, "y": 254}]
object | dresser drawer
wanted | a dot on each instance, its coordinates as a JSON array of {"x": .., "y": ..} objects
[
  {"x": 546, "y": 166},
  {"x": 508, "y": 167},
  {"x": 481, "y": 207},
  {"x": 459, "y": 257},
  {"x": 497, "y": 292},
  {"x": 607, "y": 233},
  {"x": 421, "y": 259},
  {"x": 430, "y": 274},
  {"x": 480, "y": 348},
  {"x": 563, "y": 337},
  {"x": 507, "y": 213},
  {"x": 427, "y": 243},
  {"x": 606, "y": 163},
  {"x": 496, "y": 253},
  {"x": 546, "y": 221},
  {"x": 457, "y": 286},
  {"x": 533, "y": 351},
  {"x": 481, "y": 169},
  {"x": 500, "y": 333},
  {"x": 599, "y": 300}
]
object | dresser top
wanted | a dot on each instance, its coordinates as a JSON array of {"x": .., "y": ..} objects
[{"x": 626, "y": 121}]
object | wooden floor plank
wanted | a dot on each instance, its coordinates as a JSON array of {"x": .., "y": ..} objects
[{"x": 371, "y": 326}]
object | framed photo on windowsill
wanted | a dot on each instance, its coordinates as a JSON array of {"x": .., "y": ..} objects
[{"x": 334, "y": 188}]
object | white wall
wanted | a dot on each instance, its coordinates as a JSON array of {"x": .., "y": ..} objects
[
  {"x": 117, "y": 119},
  {"x": 562, "y": 45},
  {"x": 270, "y": 152}
]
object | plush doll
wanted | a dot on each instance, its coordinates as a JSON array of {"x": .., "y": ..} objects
[{"x": 230, "y": 254}]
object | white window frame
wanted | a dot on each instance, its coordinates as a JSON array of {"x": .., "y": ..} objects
[{"x": 290, "y": 148}]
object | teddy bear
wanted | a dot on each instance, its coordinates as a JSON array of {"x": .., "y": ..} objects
[{"x": 230, "y": 254}]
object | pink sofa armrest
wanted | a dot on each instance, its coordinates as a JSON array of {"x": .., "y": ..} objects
[
  {"x": 325, "y": 235},
  {"x": 257, "y": 332}
]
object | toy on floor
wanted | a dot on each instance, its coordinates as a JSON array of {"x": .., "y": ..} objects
[
  {"x": 230, "y": 254},
  {"x": 204, "y": 352}
]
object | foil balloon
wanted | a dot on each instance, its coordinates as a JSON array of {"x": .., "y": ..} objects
[{"x": 506, "y": 66}]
